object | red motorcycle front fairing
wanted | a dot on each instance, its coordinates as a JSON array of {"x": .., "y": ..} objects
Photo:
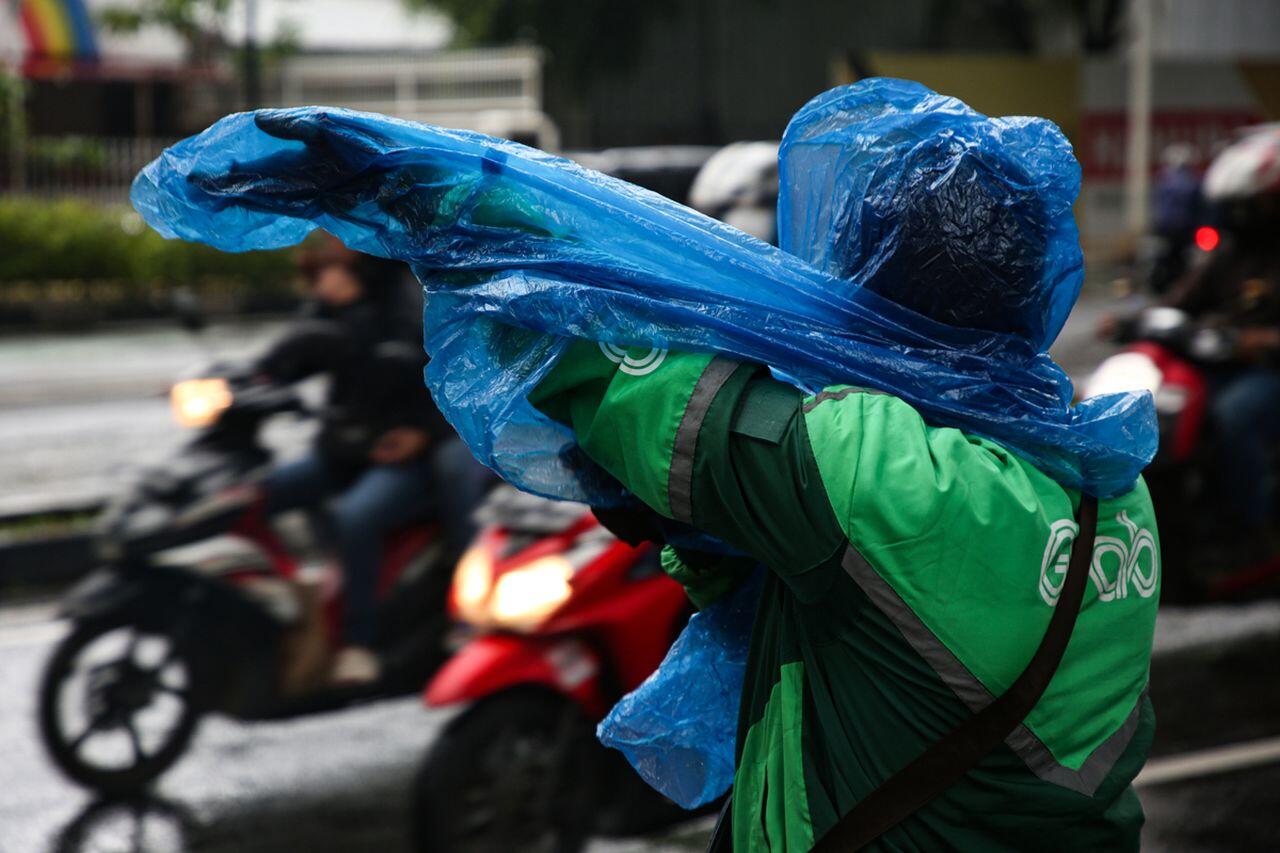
[
  {"x": 494, "y": 662},
  {"x": 400, "y": 550},
  {"x": 1189, "y": 379},
  {"x": 636, "y": 623}
]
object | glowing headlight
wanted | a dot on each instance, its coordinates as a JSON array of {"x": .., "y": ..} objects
[
  {"x": 472, "y": 583},
  {"x": 1128, "y": 371},
  {"x": 198, "y": 402},
  {"x": 524, "y": 597}
]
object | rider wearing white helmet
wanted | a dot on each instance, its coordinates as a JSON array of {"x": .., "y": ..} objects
[{"x": 1238, "y": 287}]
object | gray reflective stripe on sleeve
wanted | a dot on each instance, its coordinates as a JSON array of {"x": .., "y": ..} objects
[
  {"x": 974, "y": 694},
  {"x": 840, "y": 395},
  {"x": 680, "y": 477}
]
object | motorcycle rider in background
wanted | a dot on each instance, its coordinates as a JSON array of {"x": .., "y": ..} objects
[
  {"x": 1177, "y": 210},
  {"x": 384, "y": 448},
  {"x": 1237, "y": 288}
]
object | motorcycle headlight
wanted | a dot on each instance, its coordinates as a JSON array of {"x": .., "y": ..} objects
[
  {"x": 199, "y": 402},
  {"x": 519, "y": 599},
  {"x": 472, "y": 583},
  {"x": 1128, "y": 371},
  {"x": 523, "y": 597}
]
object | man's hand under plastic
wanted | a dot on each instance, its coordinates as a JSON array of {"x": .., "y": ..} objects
[
  {"x": 337, "y": 171},
  {"x": 331, "y": 171}
]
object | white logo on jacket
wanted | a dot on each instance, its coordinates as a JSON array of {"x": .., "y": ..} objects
[
  {"x": 645, "y": 364},
  {"x": 1117, "y": 566}
]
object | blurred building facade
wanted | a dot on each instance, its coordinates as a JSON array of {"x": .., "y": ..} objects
[
  {"x": 98, "y": 104},
  {"x": 721, "y": 71},
  {"x": 95, "y": 105}
]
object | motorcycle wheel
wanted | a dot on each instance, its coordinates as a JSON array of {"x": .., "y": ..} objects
[
  {"x": 145, "y": 824},
  {"x": 514, "y": 772},
  {"x": 116, "y": 706}
]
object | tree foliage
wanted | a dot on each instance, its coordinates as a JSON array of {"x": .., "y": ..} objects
[
  {"x": 200, "y": 23},
  {"x": 582, "y": 37},
  {"x": 68, "y": 239}
]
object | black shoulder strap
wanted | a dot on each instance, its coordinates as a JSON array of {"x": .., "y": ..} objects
[{"x": 948, "y": 760}]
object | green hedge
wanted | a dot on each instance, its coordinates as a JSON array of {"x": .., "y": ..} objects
[{"x": 61, "y": 240}]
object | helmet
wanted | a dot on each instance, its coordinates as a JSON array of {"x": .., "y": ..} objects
[
  {"x": 934, "y": 207},
  {"x": 739, "y": 185},
  {"x": 1247, "y": 168},
  {"x": 957, "y": 233}
]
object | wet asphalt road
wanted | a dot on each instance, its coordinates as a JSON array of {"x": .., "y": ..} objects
[
  {"x": 333, "y": 783},
  {"x": 78, "y": 411},
  {"x": 337, "y": 783},
  {"x": 75, "y": 413}
]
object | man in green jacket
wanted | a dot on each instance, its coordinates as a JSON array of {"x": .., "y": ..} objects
[
  {"x": 913, "y": 573},
  {"x": 913, "y": 568}
]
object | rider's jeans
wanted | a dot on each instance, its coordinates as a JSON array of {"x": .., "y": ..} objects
[
  {"x": 1246, "y": 417},
  {"x": 382, "y": 498}
]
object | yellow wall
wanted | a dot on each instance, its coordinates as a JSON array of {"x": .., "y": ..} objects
[{"x": 994, "y": 84}]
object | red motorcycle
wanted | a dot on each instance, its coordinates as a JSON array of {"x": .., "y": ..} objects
[
  {"x": 1170, "y": 355},
  {"x": 562, "y": 619},
  {"x": 200, "y": 607}
]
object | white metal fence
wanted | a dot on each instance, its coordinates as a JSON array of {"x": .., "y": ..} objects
[
  {"x": 496, "y": 90},
  {"x": 90, "y": 168}
]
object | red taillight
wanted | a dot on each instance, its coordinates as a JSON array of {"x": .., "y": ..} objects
[{"x": 1207, "y": 238}]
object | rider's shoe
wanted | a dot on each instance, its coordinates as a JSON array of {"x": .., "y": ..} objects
[{"x": 355, "y": 665}]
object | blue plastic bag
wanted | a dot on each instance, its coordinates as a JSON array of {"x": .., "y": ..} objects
[
  {"x": 519, "y": 252},
  {"x": 677, "y": 729}
]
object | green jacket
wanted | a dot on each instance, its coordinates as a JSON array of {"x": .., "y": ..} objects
[{"x": 913, "y": 572}]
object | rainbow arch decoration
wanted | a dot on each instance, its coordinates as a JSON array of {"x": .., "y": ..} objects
[{"x": 58, "y": 30}]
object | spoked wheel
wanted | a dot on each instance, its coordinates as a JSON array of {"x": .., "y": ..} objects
[
  {"x": 139, "y": 825},
  {"x": 515, "y": 772},
  {"x": 116, "y": 707}
]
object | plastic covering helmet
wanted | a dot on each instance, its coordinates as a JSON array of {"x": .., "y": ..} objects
[
  {"x": 1247, "y": 168},
  {"x": 960, "y": 217}
]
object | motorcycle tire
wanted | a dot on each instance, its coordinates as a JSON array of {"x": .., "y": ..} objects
[
  {"x": 516, "y": 771},
  {"x": 116, "y": 706},
  {"x": 152, "y": 825}
]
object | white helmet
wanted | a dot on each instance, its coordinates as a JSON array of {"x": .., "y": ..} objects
[
  {"x": 1247, "y": 168},
  {"x": 739, "y": 185},
  {"x": 739, "y": 173}
]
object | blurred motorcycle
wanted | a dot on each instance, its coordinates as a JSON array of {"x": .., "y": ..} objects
[
  {"x": 202, "y": 608},
  {"x": 561, "y": 619},
  {"x": 1227, "y": 300},
  {"x": 1169, "y": 354}
]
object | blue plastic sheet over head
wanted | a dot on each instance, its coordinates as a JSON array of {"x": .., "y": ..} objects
[{"x": 927, "y": 250}]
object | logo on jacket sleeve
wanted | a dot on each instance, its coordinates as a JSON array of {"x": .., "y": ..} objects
[{"x": 1118, "y": 567}]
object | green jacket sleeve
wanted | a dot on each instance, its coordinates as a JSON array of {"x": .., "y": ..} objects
[{"x": 703, "y": 440}]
